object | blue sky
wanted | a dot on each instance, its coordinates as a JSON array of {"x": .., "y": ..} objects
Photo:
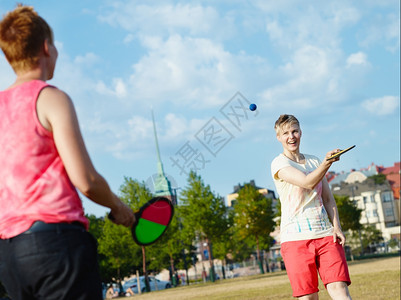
[{"x": 198, "y": 64}]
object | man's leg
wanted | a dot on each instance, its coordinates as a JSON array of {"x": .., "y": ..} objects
[
  {"x": 338, "y": 290},
  {"x": 299, "y": 258},
  {"x": 333, "y": 268},
  {"x": 314, "y": 296}
]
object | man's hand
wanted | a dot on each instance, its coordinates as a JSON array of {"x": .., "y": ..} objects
[
  {"x": 338, "y": 235},
  {"x": 330, "y": 154}
]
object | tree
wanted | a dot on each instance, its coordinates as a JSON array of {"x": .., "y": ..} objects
[
  {"x": 203, "y": 213},
  {"x": 350, "y": 216},
  {"x": 165, "y": 251},
  {"x": 136, "y": 194},
  {"x": 371, "y": 237},
  {"x": 277, "y": 214},
  {"x": 226, "y": 243},
  {"x": 254, "y": 216},
  {"x": 349, "y": 213},
  {"x": 378, "y": 178},
  {"x": 181, "y": 242},
  {"x": 95, "y": 226},
  {"x": 242, "y": 247},
  {"x": 121, "y": 253},
  {"x": 393, "y": 243},
  {"x": 223, "y": 248},
  {"x": 114, "y": 245}
]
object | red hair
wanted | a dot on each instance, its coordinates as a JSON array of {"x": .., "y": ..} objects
[{"x": 22, "y": 35}]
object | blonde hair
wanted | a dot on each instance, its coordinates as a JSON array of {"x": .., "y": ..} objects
[
  {"x": 284, "y": 120},
  {"x": 22, "y": 35}
]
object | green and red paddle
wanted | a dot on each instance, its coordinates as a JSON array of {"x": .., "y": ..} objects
[{"x": 152, "y": 220}]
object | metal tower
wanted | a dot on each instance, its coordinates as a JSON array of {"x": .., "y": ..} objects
[{"x": 161, "y": 183}]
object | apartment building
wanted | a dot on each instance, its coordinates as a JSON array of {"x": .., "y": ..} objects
[
  {"x": 264, "y": 191},
  {"x": 377, "y": 201}
]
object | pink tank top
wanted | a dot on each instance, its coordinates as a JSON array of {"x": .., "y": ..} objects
[{"x": 34, "y": 184}]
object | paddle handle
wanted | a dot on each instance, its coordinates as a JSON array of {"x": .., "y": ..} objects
[{"x": 111, "y": 217}]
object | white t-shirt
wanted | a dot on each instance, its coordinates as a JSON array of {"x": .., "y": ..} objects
[{"x": 303, "y": 216}]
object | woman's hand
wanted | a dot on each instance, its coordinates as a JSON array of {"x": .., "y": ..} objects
[{"x": 122, "y": 214}]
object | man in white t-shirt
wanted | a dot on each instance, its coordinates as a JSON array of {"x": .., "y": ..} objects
[{"x": 311, "y": 235}]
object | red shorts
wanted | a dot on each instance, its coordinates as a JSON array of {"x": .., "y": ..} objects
[{"x": 304, "y": 259}]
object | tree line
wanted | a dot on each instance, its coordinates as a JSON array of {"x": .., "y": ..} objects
[{"x": 201, "y": 216}]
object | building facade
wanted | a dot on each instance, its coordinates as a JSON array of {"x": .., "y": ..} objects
[
  {"x": 378, "y": 201},
  {"x": 269, "y": 194}
]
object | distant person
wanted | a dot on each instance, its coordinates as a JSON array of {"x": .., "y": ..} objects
[
  {"x": 311, "y": 237},
  {"x": 46, "y": 251},
  {"x": 129, "y": 292},
  {"x": 273, "y": 266},
  {"x": 110, "y": 293}
]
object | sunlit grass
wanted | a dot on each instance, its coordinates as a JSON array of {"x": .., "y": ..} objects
[{"x": 371, "y": 279}]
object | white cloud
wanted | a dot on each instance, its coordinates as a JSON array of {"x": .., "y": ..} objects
[
  {"x": 165, "y": 19},
  {"x": 87, "y": 59},
  {"x": 185, "y": 65},
  {"x": 315, "y": 23},
  {"x": 179, "y": 128},
  {"x": 133, "y": 137},
  {"x": 125, "y": 138},
  {"x": 71, "y": 73},
  {"x": 384, "y": 30},
  {"x": 175, "y": 127},
  {"x": 358, "y": 58},
  {"x": 382, "y": 106},
  {"x": 193, "y": 72},
  {"x": 275, "y": 30},
  {"x": 140, "y": 128},
  {"x": 309, "y": 80},
  {"x": 129, "y": 38},
  {"x": 392, "y": 33},
  {"x": 117, "y": 88},
  {"x": 309, "y": 40}
]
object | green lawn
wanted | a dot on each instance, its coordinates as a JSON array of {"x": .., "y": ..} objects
[{"x": 371, "y": 279}]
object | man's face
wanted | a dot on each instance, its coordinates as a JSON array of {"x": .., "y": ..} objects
[{"x": 289, "y": 136}]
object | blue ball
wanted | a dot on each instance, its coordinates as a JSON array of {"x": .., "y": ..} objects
[{"x": 252, "y": 107}]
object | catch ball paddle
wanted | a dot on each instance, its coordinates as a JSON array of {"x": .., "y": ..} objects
[
  {"x": 340, "y": 153},
  {"x": 151, "y": 221}
]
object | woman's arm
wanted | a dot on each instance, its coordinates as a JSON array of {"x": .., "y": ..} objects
[{"x": 57, "y": 114}]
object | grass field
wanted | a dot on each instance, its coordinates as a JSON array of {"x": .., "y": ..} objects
[{"x": 371, "y": 279}]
